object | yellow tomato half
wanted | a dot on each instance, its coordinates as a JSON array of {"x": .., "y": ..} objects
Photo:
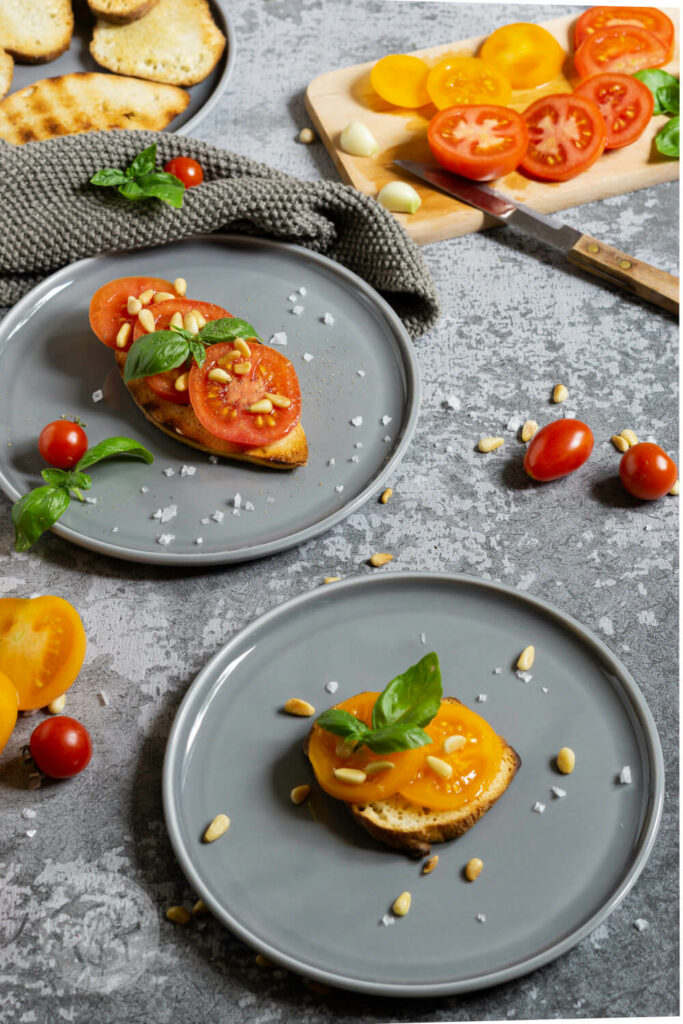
[
  {"x": 467, "y": 80},
  {"x": 9, "y": 708},
  {"x": 528, "y": 54},
  {"x": 401, "y": 80}
]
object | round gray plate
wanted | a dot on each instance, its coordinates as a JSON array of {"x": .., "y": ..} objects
[
  {"x": 203, "y": 96},
  {"x": 307, "y": 887},
  {"x": 51, "y": 363}
]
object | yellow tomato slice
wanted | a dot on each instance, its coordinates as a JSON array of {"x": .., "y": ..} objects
[
  {"x": 467, "y": 80},
  {"x": 527, "y": 54},
  {"x": 42, "y": 647},
  {"x": 401, "y": 80},
  {"x": 9, "y": 708},
  {"x": 474, "y": 765}
]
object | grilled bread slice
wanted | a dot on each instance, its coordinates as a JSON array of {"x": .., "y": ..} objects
[
  {"x": 36, "y": 31},
  {"x": 178, "y": 43},
  {"x": 120, "y": 12},
  {"x": 6, "y": 72},
  {"x": 180, "y": 422},
  {"x": 87, "y": 102}
]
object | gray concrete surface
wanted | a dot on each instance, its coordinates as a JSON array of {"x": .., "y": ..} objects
[{"x": 82, "y": 901}]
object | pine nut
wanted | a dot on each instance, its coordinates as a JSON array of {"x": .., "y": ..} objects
[
  {"x": 263, "y": 962},
  {"x": 182, "y": 382},
  {"x": 529, "y": 429},
  {"x": 381, "y": 558},
  {"x": 190, "y": 323},
  {"x": 386, "y": 495},
  {"x": 240, "y": 368},
  {"x": 180, "y": 285},
  {"x": 402, "y": 904},
  {"x": 241, "y": 346},
  {"x": 378, "y": 766},
  {"x": 219, "y": 825},
  {"x": 453, "y": 743},
  {"x": 630, "y": 437},
  {"x": 676, "y": 489},
  {"x": 295, "y": 706},
  {"x": 219, "y": 375},
  {"x": 566, "y": 760},
  {"x": 473, "y": 868},
  {"x": 439, "y": 767},
  {"x": 163, "y": 297},
  {"x": 146, "y": 297},
  {"x": 430, "y": 864},
  {"x": 299, "y": 794},
  {"x": 354, "y": 776},
  {"x": 307, "y": 136},
  {"x": 199, "y": 317},
  {"x": 200, "y": 909},
  {"x": 146, "y": 320},
  {"x": 620, "y": 442},
  {"x": 179, "y": 915},
  {"x": 279, "y": 401},
  {"x": 335, "y": 579},
  {"x": 123, "y": 335},
  {"x": 560, "y": 393},
  {"x": 56, "y": 706},
  {"x": 526, "y": 659},
  {"x": 133, "y": 306},
  {"x": 489, "y": 444},
  {"x": 264, "y": 405},
  {"x": 176, "y": 320}
]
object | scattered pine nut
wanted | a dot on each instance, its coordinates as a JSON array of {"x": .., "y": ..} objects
[
  {"x": 439, "y": 767},
  {"x": 526, "y": 659},
  {"x": 123, "y": 335},
  {"x": 217, "y": 828},
  {"x": 620, "y": 443},
  {"x": 386, "y": 495},
  {"x": 178, "y": 915},
  {"x": 473, "y": 868},
  {"x": 676, "y": 489},
  {"x": 146, "y": 320},
  {"x": 630, "y": 437},
  {"x": 147, "y": 297},
  {"x": 489, "y": 444},
  {"x": 566, "y": 759},
  {"x": 241, "y": 368},
  {"x": 162, "y": 297},
  {"x": 56, "y": 706},
  {"x": 307, "y": 136},
  {"x": 430, "y": 864},
  {"x": 560, "y": 393},
  {"x": 381, "y": 558},
  {"x": 182, "y": 382},
  {"x": 354, "y": 776},
  {"x": 378, "y": 766},
  {"x": 296, "y": 706},
  {"x": 332, "y": 579},
  {"x": 300, "y": 793},
  {"x": 453, "y": 743},
  {"x": 133, "y": 305},
  {"x": 264, "y": 962},
  {"x": 529, "y": 429},
  {"x": 402, "y": 904},
  {"x": 200, "y": 909},
  {"x": 180, "y": 285}
]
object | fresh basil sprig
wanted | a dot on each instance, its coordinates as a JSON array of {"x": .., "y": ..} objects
[
  {"x": 667, "y": 139},
  {"x": 40, "y": 509},
  {"x": 165, "y": 350},
  {"x": 143, "y": 180},
  {"x": 659, "y": 81},
  {"x": 403, "y": 708}
]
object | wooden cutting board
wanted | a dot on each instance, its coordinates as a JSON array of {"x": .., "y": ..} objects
[{"x": 337, "y": 97}]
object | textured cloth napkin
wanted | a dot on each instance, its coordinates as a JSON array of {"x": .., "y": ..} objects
[{"x": 50, "y": 215}]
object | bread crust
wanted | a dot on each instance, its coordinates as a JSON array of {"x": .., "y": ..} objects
[
  {"x": 180, "y": 422},
  {"x": 132, "y": 11},
  {"x": 6, "y": 72}
]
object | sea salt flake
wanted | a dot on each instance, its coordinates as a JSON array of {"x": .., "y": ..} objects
[
  {"x": 270, "y": 499},
  {"x": 303, "y": 291},
  {"x": 91, "y": 501},
  {"x": 640, "y": 923},
  {"x": 386, "y": 439},
  {"x": 558, "y": 792},
  {"x": 514, "y": 423},
  {"x": 294, "y": 297},
  {"x": 30, "y": 832},
  {"x": 569, "y": 414},
  {"x": 339, "y": 488},
  {"x": 218, "y": 516},
  {"x": 328, "y": 319},
  {"x": 165, "y": 515},
  {"x": 387, "y": 920},
  {"x": 545, "y": 689},
  {"x": 205, "y": 521},
  {"x": 103, "y": 698},
  {"x": 360, "y": 373},
  {"x": 28, "y": 812},
  {"x": 199, "y": 540},
  {"x": 625, "y": 777},
  {"x": 165, "y": 539},
  {"x": 213, "y": 459},
  {"x": 307, "y": 357},
  {"x": 249, "y": 506},
  {"x": 354, "y": 458},
  {"x": 538, "y": 807},
  {"x": 331, "y": 462},
  {"x": 236, "y": 512},
  {"x": 279, "y": 338},
  {"x": 332, "y": 686},
  {"x": 423, "y": 638},
  {"x": 237, "y": 501},
  {"x": 297, "y": 310},
  {"x": 452, "y": 402},
  {"x": 169, "y": 471},
  {"x": 358, "y": 444},
  {"x": 497, "y": 671},
  {"x": 114, "y": 529},
  {"x": 97, "y": 396},
  {"x": 526, "y": 677},
  {"x": 357, "y": 421},
  {"x": 144, "y": 490},
  {"x": 385, "y": 420},
  {"x": 482, "y": 698},
  {"x": 188, "y": 470},
  {"x": 481, "y": 918}
]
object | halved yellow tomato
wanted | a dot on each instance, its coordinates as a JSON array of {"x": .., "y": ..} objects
[
  {"x": 401, "y": 79},
  {"x": 467, "y": 80},
  {"x": 9, "y": 708},
  {"x": 527, "y": 54}
]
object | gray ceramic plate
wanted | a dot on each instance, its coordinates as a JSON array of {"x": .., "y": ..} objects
[
  {"x": 51, "y": 364},
  {"x": 203, "y": 96},
  {"x": 308, "y": 888}
]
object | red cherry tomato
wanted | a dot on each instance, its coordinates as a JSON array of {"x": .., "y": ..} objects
[
  {"x": 479, "y": 142},
  {"x": 625, "y": 103},
  {"x": 647, "y": 472},
  {"x": 558, "y": 449},
  {"x": 61, "y": 747},
  {"x": 186, "y": 169},
  {"x": 624, "y": 48},
  {"x": 567, "y": 134},
  {"x": 62, "y": 443}
]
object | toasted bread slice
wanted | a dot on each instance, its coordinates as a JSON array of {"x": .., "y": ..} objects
[
  {"x": 180, "y": 422},
  {"x": 178, "y": 42},
  {"x": 36, "y": 31},
  {"x": 6, "y": 72},
  {"x": 121, "y": 12},
  {"x": 87, "y": 102}
]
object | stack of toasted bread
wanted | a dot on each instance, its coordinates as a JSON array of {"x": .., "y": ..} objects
[{"x": 154, "y": 47}]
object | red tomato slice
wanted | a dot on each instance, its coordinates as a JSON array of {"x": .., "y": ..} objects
[
  {"x": 479, "y": 142},
  {"x": 567, "y": 134},
  {"x": 163, "y": 384},
  {"x": 625, "y": 103},
  {"x": 223, "y": 408},
  {"x": 108, "y": 305},
  {"x": 597, "y": 19},
  {"x": 625, "y": 49}
]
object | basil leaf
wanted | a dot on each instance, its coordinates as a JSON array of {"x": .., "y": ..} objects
[
  {"x": 144, "y": 162},
  {"x": 667, "y": 139},
  {"x": 78, "y": 481},
  {"x": 397, "y": 737},
  {"x": 656, "y": 79},
  {"x": 343, "y": 723},
  {"x": 164, "y": 186},
  {"x": 669, "y": 98},
  {"x": 412, "y": 698},
  {"x": 154, "y": 353},
  {"x": 36, "y": 512},
  {"x": 198, "y": 352},
  {"x": 131, "y": 190},
  {"x": 113, "y": 446},
  {"x": 108, "y": 176},
  {"x": 226, "y": 329},
  {"x": 54, "y": 477}
]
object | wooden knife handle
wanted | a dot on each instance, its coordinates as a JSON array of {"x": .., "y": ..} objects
[{"x": 640, "y": 278}]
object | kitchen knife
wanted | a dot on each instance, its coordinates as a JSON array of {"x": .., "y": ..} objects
[{"x": 605, "y": 261}]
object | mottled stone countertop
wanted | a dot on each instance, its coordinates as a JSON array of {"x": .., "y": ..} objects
[{"x": 86, "y": 881}]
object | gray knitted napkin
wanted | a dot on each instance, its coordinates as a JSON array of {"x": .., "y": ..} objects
[{"x": 50, "y": 215}]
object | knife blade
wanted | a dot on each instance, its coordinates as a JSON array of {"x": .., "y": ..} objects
[{"x": 649, "y": 283}]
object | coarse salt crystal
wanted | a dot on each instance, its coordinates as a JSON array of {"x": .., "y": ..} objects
[
  {"x": 332, "y": 686},
  {"x": 307, "y": 357},
  {"x": 558, "y": 792},
  {"x": 114, "y": 529},
  {"x": 144, "y": 490},
  {"x": 30, "y": 832},
  {"x": 169, "y": 471},
  {"x": 357, "y": 421},
  {"x": 97, "y": 396},
  {"x": 249, "y": 507},
  {"x": 538, "y": 807},
  {"x": 303, "y": 291},
  {"x": 387, "y": 920},
  {"x": 569, "y": 414},
  {"x": 339, "y": 488},
  {"x": 386, "y": 439},
  {"x": 526, "y": 677},
  {"x": 328, "y": 319},
  {"x": 385, "y": 420},
  {"x": 294, "y": 297},
  {"x": 91, "y": 501},
  {"x": 103, "y": 698},
  {"x": 482, "y": 698},
  {"x": 358, "y": 444},
  {"x": 354, "y": 458},
  {"x": 237, "y": 501},
  {"x": 279, "y": 338},
  {"x": 640, "y": 923},
  {"x": 213, "y": 459},
  {"x": 270, "y": 499},
  {"x": 218, "y": 516},
  {"x": 165, "y": 539},
  {"x": 360, "y": 373},
  {"x": 625, "y": 777},
  {"x": 331, "y": 462},
  {"x": 423, "y": 638},
  {"x": 545, "y": 689},
  {"x": 514, "y": 423},
  {"x": 199, "y": 540},
  {"x": 236, "y": 512},
  {"x": 28, "y": 812},
  {"x": 297, "y": 310},
  {"x": 205, "y": 521},
  {"x": 188, "y": 470},
  {"x": 452, "y": 402},
  {"x": 164, "y": 515},
  {"x": 497, "y": 671},
  {"x": 481, "y": 918}
]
